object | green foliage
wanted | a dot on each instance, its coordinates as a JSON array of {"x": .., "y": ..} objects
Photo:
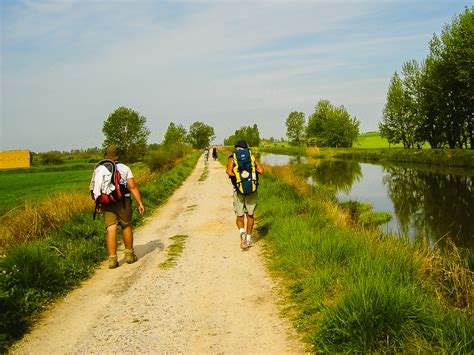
[
  {"x": 433, "y": 102},
  {"x": 126, "y": 129},
  {"x": 33, "y": 274},
  {"x": 374, "y": 219},
  {"x": 165, "y": 156},
  {"x": 295, "y": 127},
  {"x": 174, "y": 135},
  {"x": 250, "y": 134},
  {"x": 438, "y": 157},
  {"x": 401, "y": 115},
  {"x": 448, "y": 80},
  {"x": 200, "y": 135},
  {"x": 332, "y": 125},
  {"x": 51, "y": 158}
]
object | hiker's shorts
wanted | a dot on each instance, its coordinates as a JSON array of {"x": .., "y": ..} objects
[
  {"x": 245, "y": 203},
  {"x": 117, "y": 213}
]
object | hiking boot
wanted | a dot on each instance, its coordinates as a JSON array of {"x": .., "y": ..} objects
[
  {"x": 243, "y": 242},
  {"x": 113, "y": 262},
  {"x": 130, "y": 256},
  {"x": 249, "y": 243}
]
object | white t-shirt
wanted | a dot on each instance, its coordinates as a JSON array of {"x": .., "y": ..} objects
[
  {"x": 125, "y": 173},
  {"x": 102, "y": 177}
]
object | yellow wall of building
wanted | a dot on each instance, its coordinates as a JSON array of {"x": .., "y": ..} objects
[{"x": 15, "y": 159}]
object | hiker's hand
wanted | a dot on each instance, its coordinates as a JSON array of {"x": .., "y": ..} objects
[{"x": 141, "y": 209}]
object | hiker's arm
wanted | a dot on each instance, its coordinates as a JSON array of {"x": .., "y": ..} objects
[
  {"x": 259, "y": 167},
  {"x": 133, "y": 187},
  {"x": 230, "y": 166}
]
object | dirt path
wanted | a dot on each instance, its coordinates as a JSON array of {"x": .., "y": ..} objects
[{"x": 216, "y": 299}]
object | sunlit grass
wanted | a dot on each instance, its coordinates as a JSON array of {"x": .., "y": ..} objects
[
  {"x": 354, "y": 289},
  {"x": 373, "y": 140}
]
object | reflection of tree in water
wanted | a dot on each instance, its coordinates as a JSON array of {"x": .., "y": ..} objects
[
  {"x": 432, "y": 204},
  {"x": 336, "y": 173}
]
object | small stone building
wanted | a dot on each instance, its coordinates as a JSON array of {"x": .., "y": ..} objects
[{"x": 15, "y": 159}]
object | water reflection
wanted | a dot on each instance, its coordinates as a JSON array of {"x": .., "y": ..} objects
[
  {"x": 336, "y": 173},
  {"x": 433, "y": 204},
  {"x": 279, "y": 159},
  {"x": 423, "y": 203}
]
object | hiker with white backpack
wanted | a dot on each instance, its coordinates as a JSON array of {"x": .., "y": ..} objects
[{"x": 112, "y": 185}]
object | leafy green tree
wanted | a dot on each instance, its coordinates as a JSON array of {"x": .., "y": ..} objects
[
  {"x": 250, "y": 134},
  {"x": 295, "y": 128},
  {"x": 175, "y": 134},
  {"x": 126, "y": 129},
  {"x": 450, "y": 79},
  {"x": 433, "y": 125},
  {"x": 332, "y": 126},
  {"x": 200, "y": 135},
  {"x": 401, "y": 114},
  {"x": 316, "y": 122}
]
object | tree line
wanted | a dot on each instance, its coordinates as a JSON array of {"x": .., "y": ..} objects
[
  {"x": 328, "y": 126},
  {"x": 433, "y": 101},
  {"x": 127, "y": 129}
]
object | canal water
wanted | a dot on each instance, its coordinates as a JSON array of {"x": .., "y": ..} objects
[{"x": 424, "y": 201}]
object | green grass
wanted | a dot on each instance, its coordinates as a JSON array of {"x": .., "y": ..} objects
[
  {"x": 16, "y": 187},
  {"x": 373, "y": 140},
  {"x": 173, "y": 251},
  {"x": 352, "y": 291}
]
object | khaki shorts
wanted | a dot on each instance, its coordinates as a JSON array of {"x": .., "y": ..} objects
[
  {"x": 116, "y": 213},
  {"x": 245, "y": 203}
]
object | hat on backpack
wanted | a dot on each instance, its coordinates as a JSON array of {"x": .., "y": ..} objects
[
  {"x": 241, "y": 144},
  {"x": 111, "y": 153}
]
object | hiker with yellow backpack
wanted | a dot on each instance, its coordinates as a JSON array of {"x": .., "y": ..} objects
[{"x": 243, "y": 170}]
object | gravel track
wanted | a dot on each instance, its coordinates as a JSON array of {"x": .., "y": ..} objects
[{"x": 215, "y": 299}]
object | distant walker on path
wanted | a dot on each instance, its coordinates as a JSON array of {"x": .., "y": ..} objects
[{"x": 243, "y": 170}]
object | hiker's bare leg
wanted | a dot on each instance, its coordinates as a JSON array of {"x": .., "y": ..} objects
[
  {"x": 250, "y": 221},
  {"x": 240, "y": 221},
  {"x": 127, "y": 234},
  {"x": 111, "y": 239}
]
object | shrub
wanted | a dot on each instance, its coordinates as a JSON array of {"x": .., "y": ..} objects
[{"x": 51, "y": 158}]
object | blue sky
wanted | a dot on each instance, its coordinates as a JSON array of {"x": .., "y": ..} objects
[{"x": 66, "y": 65}]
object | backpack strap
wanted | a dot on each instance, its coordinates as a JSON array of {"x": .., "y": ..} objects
[{"x": 238, "y": 177}]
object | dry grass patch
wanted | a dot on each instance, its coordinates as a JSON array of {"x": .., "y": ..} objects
[{"x": 35, "y": 220}]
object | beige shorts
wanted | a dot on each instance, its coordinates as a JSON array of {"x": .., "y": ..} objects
[
  {"x": 245, "y": 204},
  {"x": 117, "y": 213}
]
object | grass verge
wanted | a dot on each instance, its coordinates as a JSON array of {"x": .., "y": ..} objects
[
  {"x": 354, "y": 290},
  {"x": 35, "y": 273},
  {"x": 459, "y": 158}
]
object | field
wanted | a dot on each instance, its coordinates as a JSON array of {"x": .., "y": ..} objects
[
  {"x": 20, "y": 186},
  {"x": 373, "y": 140}
]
